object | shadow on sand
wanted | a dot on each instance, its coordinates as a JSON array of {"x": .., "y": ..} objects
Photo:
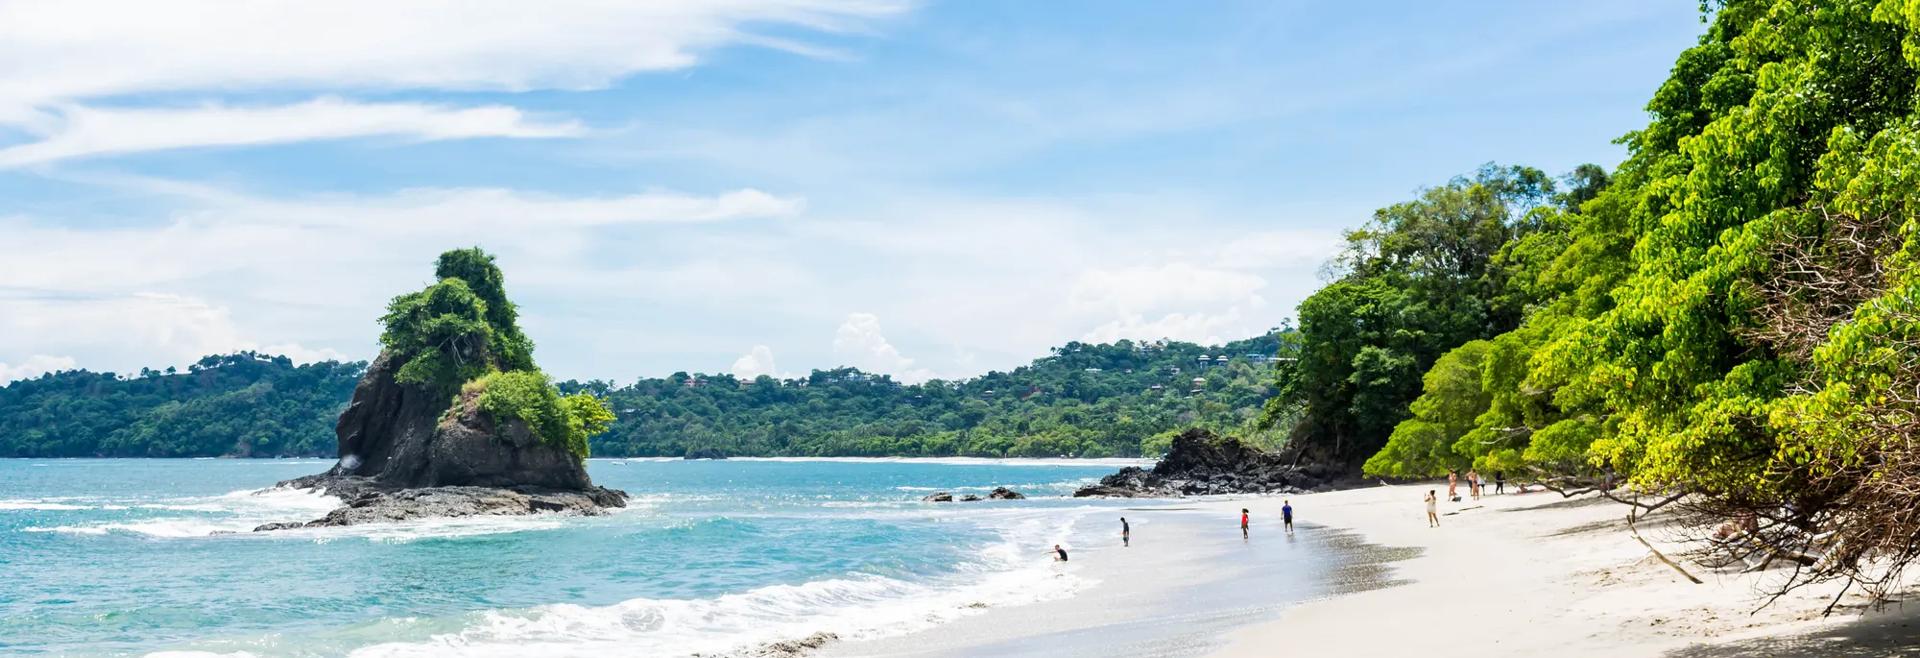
[{"x": 1894, "y": 631}]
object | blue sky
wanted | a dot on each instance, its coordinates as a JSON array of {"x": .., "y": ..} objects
[{"x": 927, "y": 189}]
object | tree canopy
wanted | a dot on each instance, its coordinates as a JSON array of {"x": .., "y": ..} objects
[
  {"x": 1732, "y": 312},
  {"x": 1119, "y": 399}
]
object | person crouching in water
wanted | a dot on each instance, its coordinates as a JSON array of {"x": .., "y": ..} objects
[{"x": 1059, "y": 554}]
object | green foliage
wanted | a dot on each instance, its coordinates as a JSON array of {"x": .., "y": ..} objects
[
  {"x": 528, "y": 396},
  {"x": 1120, "y": 399},
  {"x": 457, "y": 329},
  {"x": 243, "y": 404},
  {"x": 440, "y": 334},
  {"x": 1420, "y": 279},
  {"x": 252, "y": 405},
  {"x": 1444, "y": 413},
  {"x": 512, "y": 349},
  {"x": 1734, "y": 311}
]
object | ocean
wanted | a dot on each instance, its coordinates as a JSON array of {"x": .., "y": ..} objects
[{"x": 135, "y": 557}]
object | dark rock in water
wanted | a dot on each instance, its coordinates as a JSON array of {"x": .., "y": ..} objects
[
  {"x": 1201, "y": 463},
  {"x": 969, "y": 498},
  {"x": 1108, "y": 491},
  {"x": 378, "y": 506},
  {"x": 941, "y": 497},
  {"x": 1003, "y": 493},
  {"x": 406, "y": 452},
  {"x": 401, "y": 435},
  {"x": 705, "y": 453}
]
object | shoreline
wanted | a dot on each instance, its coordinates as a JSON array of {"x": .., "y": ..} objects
[
  {"x": 1513, "y": 574},
  {"x": 1538, "y": 574},
  {"x": 1187, "y": 581}
]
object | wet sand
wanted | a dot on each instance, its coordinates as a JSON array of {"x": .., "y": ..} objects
[
  {"x": 1186, "y": 583},
  {"x": 1516, "y": 575}
]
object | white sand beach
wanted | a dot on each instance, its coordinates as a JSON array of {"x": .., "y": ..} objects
[
  {"x": 1536, "y": 574},
  {"x": 1514, "y": 575}
]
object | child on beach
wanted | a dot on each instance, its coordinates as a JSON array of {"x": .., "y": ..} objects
[
  {"x": 1286, "y": 515},
  {"x": 1243, "y": 523},
  {"x": 1126, "y": 533},
  {"x": 1433, "y": 513}
]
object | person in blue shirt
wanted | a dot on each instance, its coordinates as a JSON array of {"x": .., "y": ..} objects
[{"x": 1286, "y": 515}]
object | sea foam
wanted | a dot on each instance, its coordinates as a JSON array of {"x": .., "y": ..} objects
[{"x": 853, "y": 608}]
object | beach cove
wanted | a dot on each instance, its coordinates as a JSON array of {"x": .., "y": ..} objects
[
  {"x": 741, "y": 557},
  {"x": 1519, "y": 574}
]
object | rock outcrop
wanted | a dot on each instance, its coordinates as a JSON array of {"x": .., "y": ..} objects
[
  {"x": 998, "y": 493},
  {"x": 407, "y": 452},
  {"x": 1200, "y": 463},
  {"x": 1003, "y": 493}
]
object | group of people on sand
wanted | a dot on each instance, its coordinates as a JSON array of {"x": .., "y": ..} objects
[
  {"x": 1474, "y": 487},
  {"x": 1475, "y": 484},
  {"x": 1246, "y": 524}
]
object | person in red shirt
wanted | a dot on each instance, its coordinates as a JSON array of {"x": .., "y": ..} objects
[{"x": 1243, "y": 523}]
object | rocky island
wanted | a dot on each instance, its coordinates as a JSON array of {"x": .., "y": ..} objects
[
  {"x": 1202, "y": 463},
  {"x": 453, "y": 419}
]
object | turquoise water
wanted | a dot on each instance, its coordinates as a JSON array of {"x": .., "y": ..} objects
[{"x": 132, "y": 557}]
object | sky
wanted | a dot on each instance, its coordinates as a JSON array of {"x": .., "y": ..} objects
[{"x": 927, "y": 189}]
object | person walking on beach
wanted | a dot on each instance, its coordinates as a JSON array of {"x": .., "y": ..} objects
[
  {"x": 1473, "y": 484},
  {"x": 1453, "y": 485},
  {"x": 1433, "y": 510},
  {"x": 1243, "y": 522},
  {"x": 1126, "y": 533},
  {"x": 1499, "y": 482},
  {"x": 1059, "y": 554},
  {"x": 1286, "y": 515}
]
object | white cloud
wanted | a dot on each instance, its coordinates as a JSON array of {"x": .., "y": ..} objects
[
  {"x": 1202, "y": 328},
  {"x": 60, "y": 60},
  {"x": 34, "y": 366},
  {"x": 756, "y": 362},
  {"x": 306, "y": 276},
  {"x": 1131, "y": 290},
  {"x": 56, "y": 51},
  {"x": 85, "y": 131},
  {"x": 988, "y": 285},
  {"x": 164, "y": 329},
  {"x": 1266, "y": 249},
  {"x": 226, "y": 232},
  {"x": 862, "y": 345}
]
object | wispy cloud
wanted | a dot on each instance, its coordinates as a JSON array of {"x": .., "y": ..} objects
[
  {"x": 78, "y": 131},
  {"x": 73, "y": 50},
  {"x": 61, "y": 61}
]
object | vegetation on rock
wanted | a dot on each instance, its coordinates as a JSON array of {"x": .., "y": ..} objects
[{"x": 461, "y": 334}]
